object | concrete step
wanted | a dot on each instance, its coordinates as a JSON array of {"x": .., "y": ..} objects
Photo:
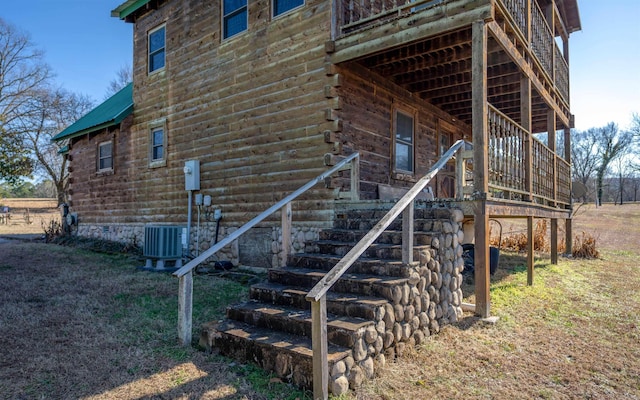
[
  {"x": 341, "y": 330},
  {"x": 350, "y": 305},
  {"x": 288, "y": 356}
]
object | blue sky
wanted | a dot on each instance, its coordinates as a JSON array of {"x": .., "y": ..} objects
[{"x": 85, "y": 46}]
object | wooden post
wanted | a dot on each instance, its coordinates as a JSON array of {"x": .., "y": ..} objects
[
  {"x": 568, "y": 239},
  {"x": 185, "y": 308},
  {"x": 286, "y": 233},
  {"x": 525, "y": 116},
  {"x": 320, "y": 349},
  {"x": 480, "y": 165},
  {"x": 554, "y": 241},
  {"x": 355, "y": 179},
  {"x": 407, "y": 233},
  {"x": 530, "y": 250},
  {"x": 551, "y": 142}
]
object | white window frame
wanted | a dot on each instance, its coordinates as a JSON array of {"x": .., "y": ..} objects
[
  {"x": 163, "y": 49},
  {"x": 160, "y": 161},
  {"x": 99, "y": 157},
  {"x": 273, "y": 8},
  {"x": 225, "y": 16},
  {"x": 396, "y": 141}
]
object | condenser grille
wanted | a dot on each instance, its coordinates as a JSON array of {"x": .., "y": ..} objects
[{"x": 163, "y": 242}]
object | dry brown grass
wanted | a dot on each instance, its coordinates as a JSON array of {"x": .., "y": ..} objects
[
  {"x": 76, "y": 324},
  {"x": 28, "y": 216}
]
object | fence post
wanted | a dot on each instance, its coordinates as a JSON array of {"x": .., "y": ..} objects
[{"x": 320, "y": 348}]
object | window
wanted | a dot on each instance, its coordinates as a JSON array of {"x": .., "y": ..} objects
[
  {"x": 235, "y": 17},
  {"x": 282, "y": 6},
  {"x": 156, "y": 49},
  {"x": 403, "y": 141},
  {"x": 105, "y": 156},
  {"x": 157, "y": 145}
]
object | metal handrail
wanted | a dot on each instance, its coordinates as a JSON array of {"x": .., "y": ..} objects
[
  {"x": 317, "y": 295},
  {"x": 236, "y": 234}
]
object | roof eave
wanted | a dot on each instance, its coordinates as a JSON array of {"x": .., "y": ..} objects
[{"x": 127, "y": 8}]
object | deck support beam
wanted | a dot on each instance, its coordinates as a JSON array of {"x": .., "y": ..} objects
[
  {"x": 529, "y": 250},
  {"x": 480, "y": 134}
]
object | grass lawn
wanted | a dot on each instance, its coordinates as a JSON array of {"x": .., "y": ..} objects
[{"x": 77, "y": 324}]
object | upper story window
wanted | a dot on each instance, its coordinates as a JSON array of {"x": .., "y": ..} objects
[
  {"x": 235, "y": 17},
  {"x": 404, "y": 141},
  {"x": 282, "y": 6},
  {"x": 105, "y": 156},
  {"x": 156, "y": 49}
]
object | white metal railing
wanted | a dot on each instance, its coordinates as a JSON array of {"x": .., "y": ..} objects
[
  {"x": 318, "y": 294},
  {"x": 185, "y": 291}
]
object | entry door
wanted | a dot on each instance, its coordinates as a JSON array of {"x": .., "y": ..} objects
[{"x": 445, "y": 180}]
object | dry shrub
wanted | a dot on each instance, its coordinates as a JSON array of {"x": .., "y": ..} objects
[
  {"x": 52, "y": 230},
  {"x": 584, "y": 246},
  {"x": 517, "y": 241}
]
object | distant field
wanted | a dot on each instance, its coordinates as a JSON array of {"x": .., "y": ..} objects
[{"x": 28, "y": 215}]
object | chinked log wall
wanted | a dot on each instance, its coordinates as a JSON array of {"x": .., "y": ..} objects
[{"x": 253, "y": 109}]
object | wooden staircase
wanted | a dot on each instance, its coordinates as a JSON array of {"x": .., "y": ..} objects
[{"x": 376, "y": 309}]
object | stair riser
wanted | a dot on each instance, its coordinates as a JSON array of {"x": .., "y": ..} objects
[
  {"x": 299, "y": 324},
  {"x": 383, "y": 252},
  {"x": 366, "y": 267},
  {"x": 352, "y": 237},
  {"x": 298, "y": 300},
  {"x": 343, "y": 285}
]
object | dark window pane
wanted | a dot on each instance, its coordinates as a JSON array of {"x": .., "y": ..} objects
[
  {"x": 156, "y": 61},
  {"x": 235, "y": 24},
  {"x": 157, "y": 153},
  {"x": 157, "y": 137},
  {"x": 404, "y": 128},
  {"x": 232, "y": 5},
  {"x": 404, "y": 157},
  {"x": 282, "y": 6},
  {"x": 156, "y": 40}
]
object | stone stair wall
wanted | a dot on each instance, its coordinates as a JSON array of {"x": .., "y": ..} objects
[{"x": 377, "y": 309}]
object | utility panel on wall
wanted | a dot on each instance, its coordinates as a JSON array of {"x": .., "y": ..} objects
[{"x": 192, "y": 175}]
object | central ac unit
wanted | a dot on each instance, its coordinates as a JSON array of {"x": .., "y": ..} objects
[{"x": 163, "y": 242}]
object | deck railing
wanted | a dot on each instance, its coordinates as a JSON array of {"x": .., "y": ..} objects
[
  {"x": 353, "y": 15},
  {"x": 185, "y": 290},
  {"x": 318, "y": 294},
  {"x": 550, "y": 176}
]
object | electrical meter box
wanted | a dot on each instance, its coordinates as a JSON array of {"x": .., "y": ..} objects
[{"x": 192, "y": 175}]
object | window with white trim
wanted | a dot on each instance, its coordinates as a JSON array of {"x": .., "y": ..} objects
[
  {"x": 403, "y": 141},
  {"x": 157, "y": 148},
  {"x": 235, "y": 17},
  {"x": 105, "y": 156},
  {"x": 156, "y": 49},
  {"x": 282, "y": 6}
]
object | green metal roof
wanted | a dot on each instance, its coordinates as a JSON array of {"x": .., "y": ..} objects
[
  {"x": 127, "y": 8},
  {"x": 110, "y": 113}
]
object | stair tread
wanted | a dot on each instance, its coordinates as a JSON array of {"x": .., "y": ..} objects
[
  {"x": 336, "y": 257},
  {"x": 296, "y": 314},
  {"x": 368, "y": 278},
  {"x": 331, "y": 296},
  {"x": 289, "y": 342}
]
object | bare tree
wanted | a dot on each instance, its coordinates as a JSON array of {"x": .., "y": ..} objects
[
  {"x": 124, "y": 76},
  {"x": 22, "y": 73},
  {"x": 583, "y": 156},
  {"x": 44, "y": 116},
  {"x": 611, "y": 144}
]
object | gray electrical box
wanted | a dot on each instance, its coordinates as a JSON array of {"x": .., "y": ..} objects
[{"x": 192, "y": 175}]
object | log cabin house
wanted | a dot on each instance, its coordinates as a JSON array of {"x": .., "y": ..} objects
[{"x": 268, "y": 94}]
